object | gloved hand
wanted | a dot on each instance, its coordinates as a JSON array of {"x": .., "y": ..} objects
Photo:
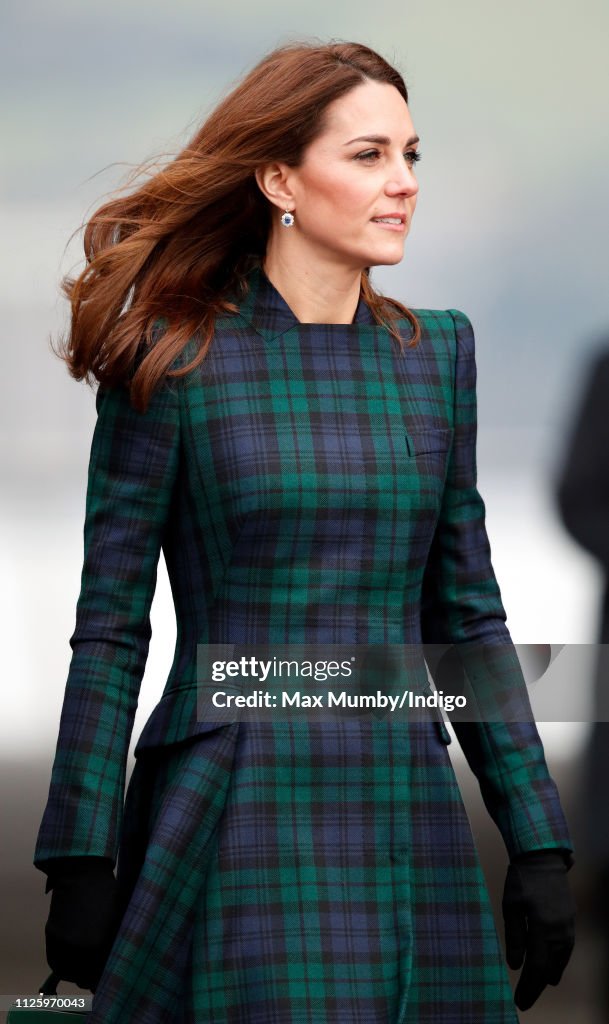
[
  {"x": 539, "y": 916},
  {"x": 83, "y": 919}
]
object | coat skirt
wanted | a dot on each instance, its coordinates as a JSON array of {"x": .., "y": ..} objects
[
  {"x": 307, "y": 484},
  {"x": 341, "y": 883}
]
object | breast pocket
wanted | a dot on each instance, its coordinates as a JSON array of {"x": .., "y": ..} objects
[
  {"x": 429, "y": 441},
  {"x": 427, "y": 462}
]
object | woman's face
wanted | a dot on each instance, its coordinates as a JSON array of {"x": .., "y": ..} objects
[{"x": 359, "y": 169}]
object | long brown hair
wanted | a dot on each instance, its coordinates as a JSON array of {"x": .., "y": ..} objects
[{"x": 175, "y": 247}]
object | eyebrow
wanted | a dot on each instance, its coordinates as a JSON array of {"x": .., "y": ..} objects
[{"x": 381, "y": 140}]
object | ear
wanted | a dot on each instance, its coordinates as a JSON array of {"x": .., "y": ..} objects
[{"x": 274, "y": 182}]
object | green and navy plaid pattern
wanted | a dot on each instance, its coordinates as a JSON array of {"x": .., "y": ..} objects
[{"x": 308, "y": 483}]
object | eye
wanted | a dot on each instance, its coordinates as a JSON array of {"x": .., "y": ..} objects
[{"x": 369, "y": 154}]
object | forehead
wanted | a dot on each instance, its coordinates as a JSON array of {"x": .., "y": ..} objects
[{"x": 372, "y": 107}]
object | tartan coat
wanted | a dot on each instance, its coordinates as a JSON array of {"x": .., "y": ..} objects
[{"x": 307, "y": 483}]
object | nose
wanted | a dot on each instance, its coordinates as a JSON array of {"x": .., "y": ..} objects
[{"x": 402, "y": 179}]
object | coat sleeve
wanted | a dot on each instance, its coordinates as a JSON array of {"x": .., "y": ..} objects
[
  {"x": 132, "y": 472},
  {"x": 461, "y": 604}
]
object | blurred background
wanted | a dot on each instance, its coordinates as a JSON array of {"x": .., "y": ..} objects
[{"x": 510, "y": 103}]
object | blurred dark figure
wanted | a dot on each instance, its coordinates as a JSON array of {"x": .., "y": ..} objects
[{"x": 583, "y": 500}]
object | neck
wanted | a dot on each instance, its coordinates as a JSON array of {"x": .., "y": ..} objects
[{"x": 317, "y": 293}]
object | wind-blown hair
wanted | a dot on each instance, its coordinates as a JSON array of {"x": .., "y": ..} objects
[{"x": 177, "y": 245}]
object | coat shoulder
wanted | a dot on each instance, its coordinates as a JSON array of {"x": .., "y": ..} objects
[
  {"x": 442, "y": 321},
  {"x": 443, "y": 331}
]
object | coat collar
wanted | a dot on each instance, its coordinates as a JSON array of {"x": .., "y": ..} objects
[{"x": 267, "y": 311}]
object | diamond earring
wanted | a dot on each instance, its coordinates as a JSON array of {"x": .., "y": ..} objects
[{"x": 287, "y": 219}]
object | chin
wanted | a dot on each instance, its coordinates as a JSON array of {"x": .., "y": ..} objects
[
  {"x": 378, "y": 258},
  {"x": 386, "y": 260}
]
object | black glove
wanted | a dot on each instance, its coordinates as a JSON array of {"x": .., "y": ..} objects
[
  {"x": 83, "y": 919},
  {"x": 539, "y": 916}
]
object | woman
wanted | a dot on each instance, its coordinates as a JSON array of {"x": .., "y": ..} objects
[{"x": 303, "y": 451}]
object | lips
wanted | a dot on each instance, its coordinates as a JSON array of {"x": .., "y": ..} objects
[
  {"x": 390, "y": 218},
  {"x": 396, "y": 224}
]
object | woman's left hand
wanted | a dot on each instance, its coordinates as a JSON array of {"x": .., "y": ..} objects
[{"x": 539, "y": 915}]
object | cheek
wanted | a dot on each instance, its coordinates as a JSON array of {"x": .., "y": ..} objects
[{"x": 338, "y": 197}]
